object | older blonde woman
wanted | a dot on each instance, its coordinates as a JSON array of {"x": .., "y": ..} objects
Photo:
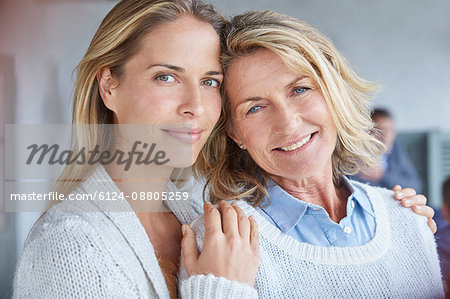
[{"x": 295, "y": 121}]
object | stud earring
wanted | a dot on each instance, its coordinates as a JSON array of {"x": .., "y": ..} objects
[{"x": 241, "y": 146}]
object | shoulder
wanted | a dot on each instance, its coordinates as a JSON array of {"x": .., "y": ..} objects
[
  {"x": 381, "y": 198},
  {"x": 70, "y": 246},
  {"x": 70, "y": 211},
  {"x": 374, "y": 191},
  {"x": 68, "y": 229},
  {"x": 402, "y": 218}
]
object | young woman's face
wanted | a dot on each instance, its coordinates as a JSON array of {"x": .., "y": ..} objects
[
  {"x": 279, "y": 116},
  {"x": 173, "y": 82}
]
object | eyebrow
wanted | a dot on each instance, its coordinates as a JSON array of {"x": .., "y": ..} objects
[
  {"x": 288, "y": 86},
  {"x": 251, "y": 99},
  {"x": 294, "y": 82},
  {"x": 214, "y": 73},
  {"x": 169, "y": 66},
  {"x": 182, "y": 70}
]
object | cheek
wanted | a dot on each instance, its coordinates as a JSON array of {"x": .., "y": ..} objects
[
  {"x": 141, "y": 99},
  {"x": 318, "y": 111},
  {"x": 214, "y": 108},
  {"x": 158, "y": 104},
  {"x": 255, "y": 138}
]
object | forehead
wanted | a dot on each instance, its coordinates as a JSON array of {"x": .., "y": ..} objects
[
  {"x": 184, "y": 39},
  {"x": 259, "y": 63},
  {"x": 258, "y": 72}
]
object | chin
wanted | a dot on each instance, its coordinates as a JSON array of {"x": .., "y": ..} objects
[{"x": 297, "y": 171}]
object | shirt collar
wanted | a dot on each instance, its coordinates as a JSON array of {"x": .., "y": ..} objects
[
  {"x": 286, "y": 211},
  {"x": 358, "y": 195}
]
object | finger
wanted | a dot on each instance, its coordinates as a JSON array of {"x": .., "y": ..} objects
[
  {"x": 189, "y": 248},
  {"x": 432, "y": 225},
  {"x": 416, "y": 200},
  {"x": 243, "y": 222},
  {"x": 254, "y": 234},
  {"x": 212, "y": 220},
  {"x": 406, "y": 192},
  {"x": 397, "y": 188},
  {"x": 424, "y": 211},
  {"x": 229, "y": 219}
]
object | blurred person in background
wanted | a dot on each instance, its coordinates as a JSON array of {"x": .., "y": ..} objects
[{"x": 395, "y": 166}]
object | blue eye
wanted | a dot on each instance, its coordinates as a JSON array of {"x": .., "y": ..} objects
[
  {"x": 254, "y": 109},
  {"x": 211, "y": 83},
  {"x": 165, "y": 78},
  {"x": 300, "y": 90}
]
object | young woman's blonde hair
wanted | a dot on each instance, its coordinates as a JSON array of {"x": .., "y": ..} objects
[
  {"x": 115, "y": 42},
  {"x": 229, "y": 170}
]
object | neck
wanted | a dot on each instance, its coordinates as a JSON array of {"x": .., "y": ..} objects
[
  {"x": 142, "y": 185},
  {"x": 319, "y": 190},
  {"x": 139, "y": 183}
]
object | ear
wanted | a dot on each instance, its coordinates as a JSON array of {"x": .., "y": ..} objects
[
  {"x": 235, "y": 136},
  {"x": 105, "y": 87}
]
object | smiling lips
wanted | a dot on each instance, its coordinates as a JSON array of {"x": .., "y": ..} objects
[
  {"x": 295, "y": 146},
  {"x": 184, "y": 134}
]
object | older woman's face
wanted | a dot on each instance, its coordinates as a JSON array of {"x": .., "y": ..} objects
[{"x": 279, "y": 116}]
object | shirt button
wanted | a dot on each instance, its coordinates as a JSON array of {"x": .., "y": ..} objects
[{"x": 347, "y": 230}]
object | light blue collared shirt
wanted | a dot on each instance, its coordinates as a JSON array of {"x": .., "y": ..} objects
[{"x": 311, "y": 224}]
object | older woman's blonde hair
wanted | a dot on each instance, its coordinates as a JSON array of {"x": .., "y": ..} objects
[
  {"x": 117, "y": 39},
  {"x": 229, "y": 170}
]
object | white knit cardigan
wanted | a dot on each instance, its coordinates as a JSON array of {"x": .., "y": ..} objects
[
  {"x": 98, "y": 249},
  {"x": 399, "y": 262}
]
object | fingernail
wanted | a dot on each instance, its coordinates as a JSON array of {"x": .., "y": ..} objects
[
  {"x": 399, "y": 194},
  {"x": 183, "y": 229},
  {"x": 418, "y": 208},
  {"x": 407, "y": 202},
  {"x": 234, "y": 204}
]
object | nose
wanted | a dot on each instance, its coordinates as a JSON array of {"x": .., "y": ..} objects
[
  {"x": 286, "y": 119},
  {"x": 192, "y": 103}
]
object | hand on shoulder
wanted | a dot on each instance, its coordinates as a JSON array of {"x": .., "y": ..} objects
[{"x": 230, "y": 247}]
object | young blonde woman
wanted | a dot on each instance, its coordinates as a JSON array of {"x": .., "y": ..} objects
[
  {"x": 153, "y": 63},
  {"x": 156, "y": 64}
]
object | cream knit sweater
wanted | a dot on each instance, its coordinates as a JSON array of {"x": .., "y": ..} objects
[
  {"x": 99, "y": 249},
  {"x": 399, "y": 262}
]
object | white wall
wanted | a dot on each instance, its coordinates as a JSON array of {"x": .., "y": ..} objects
[{"x": 47, "y": 38}]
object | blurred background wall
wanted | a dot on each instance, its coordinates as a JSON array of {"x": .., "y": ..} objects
[{"x": 404, "y": 44}]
